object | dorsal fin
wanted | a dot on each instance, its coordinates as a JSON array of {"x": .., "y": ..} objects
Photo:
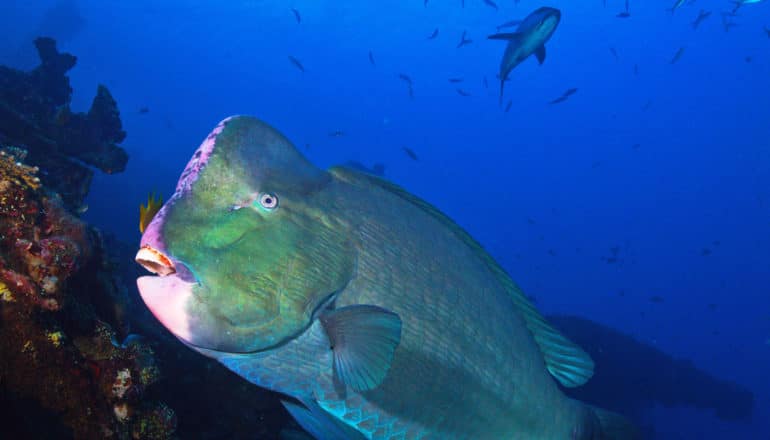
[{"x": 567, "y": 362}]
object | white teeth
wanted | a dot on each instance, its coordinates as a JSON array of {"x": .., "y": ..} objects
[{"x": 154, "y": 261}]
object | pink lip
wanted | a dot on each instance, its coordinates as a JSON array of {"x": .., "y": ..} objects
[{"x": 168, "y": 298}]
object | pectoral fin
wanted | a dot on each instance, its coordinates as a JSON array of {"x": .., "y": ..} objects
[
  {"x": 507, "y": 36},
  {"x": 540, "y": 54},
  {"x": 363, "y": 339}
]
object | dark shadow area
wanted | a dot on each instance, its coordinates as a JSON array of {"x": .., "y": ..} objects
[{"x": 632, "y": 376}]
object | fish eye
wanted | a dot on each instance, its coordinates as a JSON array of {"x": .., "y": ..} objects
[{"x": 268, "y": 201}]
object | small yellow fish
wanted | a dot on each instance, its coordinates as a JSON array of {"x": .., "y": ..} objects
[{"x": 146, "y": 213}]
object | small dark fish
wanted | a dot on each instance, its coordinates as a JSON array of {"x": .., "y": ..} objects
[
  {"x": 624, "y": 14},
  {"x": 551, "y": 252},
  {"x": 657, "y": 299},
  {"x": 767, "y": 31},
  {"x": 409, "y": 152},
  {"x": 564, "y": 96},
  {"x": 636, "y": 69},
  {"x": 411, "y": 92},
  {"x": 748, "y": 59},
  {"x": 530, "y": 220},
  {"x": 716, "y": 242},
  {"x": 455, "y": 80},
  {"x": 705, "y": 252},
  {"x": 491, "y": 4},
  {"x": 371, "y": 58},
  {"x": 614, "y": 53},
  {"x": 486, "y": 83},
  {"x": 677, "y": 5},
  {"x": 558, "y": 100},
  {"x": 508, "y": 24},
  {"x": 646, "y": 105},
  {"x": 425, "y": 3},
  {"x": 406, "y": 78},
  {"x": 712, "y": 306},
  {"x": 462, "y": 92},
  {"x": 508, "y": 107},
  {"x": 636, "y": 146},
  {"x": 433, "y": 35},
  {"x": 296, "y": 15},
  {"x": 702, "y": 15},
  {"x": 463, "y": 40},
  {"x": 144, "y": 110},
  {"x": 677, "y": 56},
  {"x": 337, "y": 133},
  {"x": 297, "y": 64}
]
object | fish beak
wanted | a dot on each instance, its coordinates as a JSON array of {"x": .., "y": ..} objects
[{"x": 155, "y": 261}]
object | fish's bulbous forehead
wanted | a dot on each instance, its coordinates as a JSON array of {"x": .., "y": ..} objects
[{"x": 244, "y": 152}]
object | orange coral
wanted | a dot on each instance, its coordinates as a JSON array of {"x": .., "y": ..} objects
[{"x": 15, "y": 172}]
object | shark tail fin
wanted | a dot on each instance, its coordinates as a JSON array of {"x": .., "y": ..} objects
[
  {"x": 502, "y": 86},
  {"x": 614, "y": 426}
]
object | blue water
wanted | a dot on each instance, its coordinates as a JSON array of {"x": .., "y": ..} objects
[{"x": 548, "y": 189}]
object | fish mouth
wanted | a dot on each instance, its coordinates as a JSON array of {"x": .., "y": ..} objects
[{"x": 155, "y": 261}]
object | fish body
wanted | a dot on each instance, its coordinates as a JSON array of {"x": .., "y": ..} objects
[
  {"x": 464, "y": 40},
  {"x": 296, "y": 64},
  {"x": 371, "y": 59},
  {"x": 530, "y": 38},
  {"x": 491, "y": 4},
  {"x": 702, "y": 15},
  {"x": 625, "y": 13},
  {"x": 677, "y": 4},
  {"x": 462, "y": 92},
  {"x": 433, "y": 34},
  {"x": 296, "y": 15},
  {"x": 342, "y": 291},
  {"x": 677, "y": 56},
  {"x": 409, "y": 152},
  {"x": 558, "y": 100}
]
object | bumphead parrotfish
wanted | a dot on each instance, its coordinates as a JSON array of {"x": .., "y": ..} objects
[{"x": 375, "y": 314}]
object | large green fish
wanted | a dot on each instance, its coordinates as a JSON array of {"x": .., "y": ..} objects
[{"x": 375, "y": 314}]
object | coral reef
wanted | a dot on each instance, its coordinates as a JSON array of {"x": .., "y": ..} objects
[
  {"x": 58, "y": 348},
  {"x": 35, "y": 113}
]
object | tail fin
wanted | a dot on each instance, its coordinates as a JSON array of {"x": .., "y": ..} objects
[{"x": 616, "y": 427}]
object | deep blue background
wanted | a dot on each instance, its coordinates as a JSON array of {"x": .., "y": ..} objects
[{"x": 562, "y": 178}]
